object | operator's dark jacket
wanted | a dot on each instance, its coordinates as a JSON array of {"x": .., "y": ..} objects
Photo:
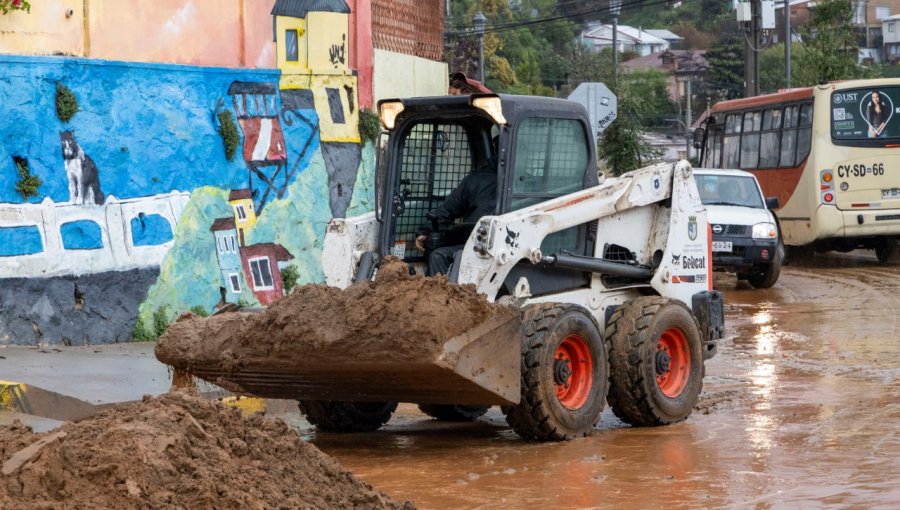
[{"x": 473, "y": 198}]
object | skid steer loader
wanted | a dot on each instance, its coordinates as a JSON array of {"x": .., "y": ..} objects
[{"x": 612, "y": 279}]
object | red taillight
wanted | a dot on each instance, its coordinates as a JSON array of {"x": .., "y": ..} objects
[{"x": 828, "y": 197}]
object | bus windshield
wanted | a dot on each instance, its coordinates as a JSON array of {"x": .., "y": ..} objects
[
  {"x": 729, "y": 190},
  {"x": 865, "y": 117}
]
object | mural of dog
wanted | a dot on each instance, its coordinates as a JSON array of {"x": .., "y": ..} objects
[{"x": 83, "y": 178}]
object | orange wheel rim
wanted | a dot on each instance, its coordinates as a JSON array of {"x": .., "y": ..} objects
[
  {"x": 573, "y": 369},
  {"x": 673, "y": 362}
]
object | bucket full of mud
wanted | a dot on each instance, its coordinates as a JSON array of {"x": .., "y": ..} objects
[{"x": 400, "y": 338}]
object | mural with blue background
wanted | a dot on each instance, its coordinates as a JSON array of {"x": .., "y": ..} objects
[{"x": 152, "y": 132}]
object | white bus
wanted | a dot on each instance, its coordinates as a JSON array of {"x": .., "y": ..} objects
[{"x": 830, "y": 153}]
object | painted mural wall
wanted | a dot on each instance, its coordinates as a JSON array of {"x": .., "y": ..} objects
[
  {"x": 133, "y": 207},
  {"x": 232, "y": 33}
]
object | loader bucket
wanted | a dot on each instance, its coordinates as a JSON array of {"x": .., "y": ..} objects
[{"x": 481, "y": 366}]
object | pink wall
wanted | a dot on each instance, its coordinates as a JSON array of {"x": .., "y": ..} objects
[
  {"x": 361, "y": 50},
  {"x": 236, "y": 33}
]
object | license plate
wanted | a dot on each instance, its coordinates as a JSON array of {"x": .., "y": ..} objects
[
  {"x": 890, "y": 193},
  {"x": 721, "y": 246}
]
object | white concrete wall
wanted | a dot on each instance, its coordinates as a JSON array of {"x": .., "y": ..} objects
[
  {"x": 114, "y": 218},
  {"x": 398, "y": 75}
]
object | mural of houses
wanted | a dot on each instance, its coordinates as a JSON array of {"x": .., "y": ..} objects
[
  {"x": 229, "y": 258},
  {"x": 258, "y": 265},
  {"x": 263, "y": 263}
]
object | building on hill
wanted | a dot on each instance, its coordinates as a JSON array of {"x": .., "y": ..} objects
[
  {"x": 680, "y": 65},
  {"x": 630, "y": 39}
]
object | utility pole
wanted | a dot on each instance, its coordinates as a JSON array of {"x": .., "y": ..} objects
[
  {"x": 615, "y": 7},
  {"x": 448, "y": 26},
  {"x": 479, "y": 22},
  {"x": 751, "y": 55},
  {"x": 787, "y": 44}
]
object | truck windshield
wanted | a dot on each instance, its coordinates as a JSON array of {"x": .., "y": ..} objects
[{"x": 729, "y": 190}]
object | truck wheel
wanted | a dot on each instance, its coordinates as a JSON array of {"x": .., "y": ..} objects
[
  {"x": 565, "y": 374},
  {"x": 453, "y": 412},
  {"x": 770, "y": 272},
  {"x": 656, "y": 360},
  {"x": 886, "y": 251},
  {"x": 336, "y": 416}
]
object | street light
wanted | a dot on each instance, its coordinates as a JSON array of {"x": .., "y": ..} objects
[{"x": 479, "y": 22}]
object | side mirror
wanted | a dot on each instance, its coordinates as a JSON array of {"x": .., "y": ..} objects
[
  {"x": 698, "y": 138},
  {"x": 772, "y": 203}
]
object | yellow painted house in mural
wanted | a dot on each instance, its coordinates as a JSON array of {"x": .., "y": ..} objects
[
  {"x": 244, "y": 215},
  {"x": 312, "y": 48}
]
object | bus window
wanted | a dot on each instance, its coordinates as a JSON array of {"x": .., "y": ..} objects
[
  {"x": 770, "y": 140},
  {"x": 731, "y": 146},
  {"x": 750, "y": 140},
  {"x": 789, "y": 137},
  {"x": 804, "y": 135}
]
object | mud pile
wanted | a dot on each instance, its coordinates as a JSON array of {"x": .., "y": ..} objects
[
  {"x": 398, "y": 316},
  {"x": 175, "y": 451}
]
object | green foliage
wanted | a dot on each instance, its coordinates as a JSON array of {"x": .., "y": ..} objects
[
  {"x": 290, "y": 275},
  {"x": 160, "y": 321},
  {"x": 726, "y": 65},
  {"x": 229, "y": 133},
  {"x": 641, "y": 95},
  {"x": 66, "y": 103},
  {"x": 141, "y": 333},
  {"x": 199, "y": 310},
  {"x": 7, "y": 6},
  {"x": 830, "y": 47},
  {"x": 28, "y": 184},
  {"x": 369, "y": 126}
]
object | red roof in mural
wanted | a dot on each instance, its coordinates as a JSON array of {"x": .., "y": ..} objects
[
  {"x": 239, "y": 194},
  {"x": 222, "y": 224},
  {"x": 271, "y": 250}
]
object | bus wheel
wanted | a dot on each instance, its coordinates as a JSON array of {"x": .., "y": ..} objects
[
  {"x": 886, "y": 251},
  {"x": 794, "y": 255}
]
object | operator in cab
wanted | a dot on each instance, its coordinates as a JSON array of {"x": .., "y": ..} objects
[{"x": 474, "y": 197}]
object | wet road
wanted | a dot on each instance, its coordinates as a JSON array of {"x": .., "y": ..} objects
[{"x": 800, "y": 409}]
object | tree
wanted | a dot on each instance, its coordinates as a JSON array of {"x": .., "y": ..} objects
[
  {"x": 830, "y": 45},
  {"x": 641, "y": 95},
  {"x": 726, "y": 65}
]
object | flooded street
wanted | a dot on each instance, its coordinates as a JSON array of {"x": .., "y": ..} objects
[{"x": 800, "y": 409}]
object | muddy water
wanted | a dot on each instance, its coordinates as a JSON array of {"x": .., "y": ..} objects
[{"x": 800, "y": 409}]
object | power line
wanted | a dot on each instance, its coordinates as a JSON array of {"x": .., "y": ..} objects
[{"x": 515, "y": 25}]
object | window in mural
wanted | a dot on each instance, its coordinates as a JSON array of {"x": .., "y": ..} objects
[
  {"x": 262, "y": 274},
  {"x": 292, "y": 54},
  {"x": 235, "y": 280},
  {"x": 81, "y": 235},
  {"x": 242, "y": 214},
  {"x": 18, "y": 241},
  {"x": 150, "y": 230}
]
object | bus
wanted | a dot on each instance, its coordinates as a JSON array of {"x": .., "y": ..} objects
[{"x": 829, "y": 153}]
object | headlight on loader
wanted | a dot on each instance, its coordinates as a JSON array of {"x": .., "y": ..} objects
[{"x": 764, "y": 231}]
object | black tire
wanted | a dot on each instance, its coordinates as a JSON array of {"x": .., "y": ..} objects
[
  {"x": 796, "y": 255},
  {"x": 453, "y": 412},
  {"x": 552, "y": 335},
  {"x": 336, "y": 416},
  {"x": 886, "y": 251},
  {"x": 769, "y": 274},
  {"x": 640, "y": 392}
]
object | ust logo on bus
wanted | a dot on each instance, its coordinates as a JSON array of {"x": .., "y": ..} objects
[{"x": 860, "y": 170}]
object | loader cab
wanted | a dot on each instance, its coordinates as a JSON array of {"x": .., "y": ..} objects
[{"x": 542, "y": 151}]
